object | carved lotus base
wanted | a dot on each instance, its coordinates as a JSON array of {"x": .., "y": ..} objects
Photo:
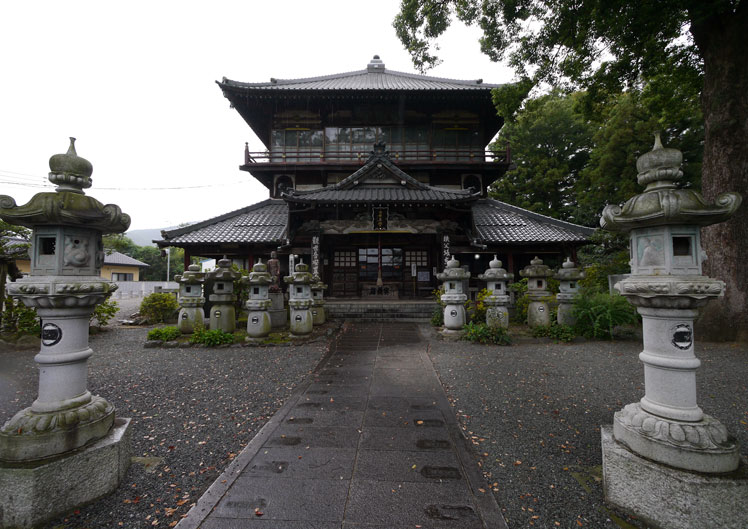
[
  {"x": 300, "y": 304},
  {"x": 31, "y": 435},
  {"x": 703, "y": 446},
  {"x": 61, "y": 291},
  {"x": 259, "y": 304}
]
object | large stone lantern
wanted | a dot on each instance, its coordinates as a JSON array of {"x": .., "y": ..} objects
[
  {"x": 300, "y": 299},
  {"x": 454, "y": 297},
  {"x": 223, "y": 313},
  {"x": 258, "y": 304},
  {"x": 667, "y": 287},
  {"x": 496, "y": 279},
  {"x": 537, "y": 275},
  {"x": 318, "y": 305},
  {"x": 568, "y": 277},
  {"x": 64, "y": 287},
  {"x": 191, "y": 299}
]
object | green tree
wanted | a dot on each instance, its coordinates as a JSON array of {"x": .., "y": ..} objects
[
  {"x": 119, "y": 242},
  {"x": 157, "y": 262},
  {"x": 10, "y": 250},
  {"x": 550, "y": 146},
  {"x": 606, "y": 46}
]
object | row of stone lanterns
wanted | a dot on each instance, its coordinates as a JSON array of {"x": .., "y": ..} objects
[
  {"x": 497, "y": 278},
  {"x": 306, "y": 299}
]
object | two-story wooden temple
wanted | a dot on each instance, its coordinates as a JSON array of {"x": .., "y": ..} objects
[{"x": 376, "y": 174}]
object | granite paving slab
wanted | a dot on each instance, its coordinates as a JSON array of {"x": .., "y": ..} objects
[{"x": 367, "y": 441}]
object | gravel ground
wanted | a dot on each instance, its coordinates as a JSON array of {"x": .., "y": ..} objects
[
  {"x": 533, "y": 412},
  {"x": 192, "y": 410}
]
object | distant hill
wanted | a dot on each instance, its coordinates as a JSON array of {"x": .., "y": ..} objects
[{"x": 145, "y": 237}]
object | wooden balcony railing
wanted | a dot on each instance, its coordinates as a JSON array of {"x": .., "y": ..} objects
[{"x": 312, "y": 156}]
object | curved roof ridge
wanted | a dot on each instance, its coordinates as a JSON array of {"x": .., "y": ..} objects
[
  {"x": 476, "y": 83},
  {"x": 539, "y": 216},
  {"x": 171, "y": 234}
]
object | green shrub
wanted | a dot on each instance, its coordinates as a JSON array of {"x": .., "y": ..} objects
[
  {"x": 597, "y": 314},
  {"x": 158, "y": 307},
  {"x": 437, "y": 317},
  {"x": 19, "y": 319},
  {"x": 104, "y": 312},
  {"x": 482, "y": 333},
  {"x": 211, "y": 338},
  {"x": 478, "y": 312},
  {"x": 521, "y": 301},
  {"x": 165, "y": 334},
  {"x": 560, "y": 333}
]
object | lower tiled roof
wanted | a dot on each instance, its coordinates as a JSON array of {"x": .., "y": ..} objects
[
  {"x": 116, "y": 258},
  {"x": 382, "y": 194},
  {"x": 497, "y": 222},
  {"x": 264, "y": 222}
]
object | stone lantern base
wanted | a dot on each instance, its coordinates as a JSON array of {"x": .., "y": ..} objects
[
  {"x": 38, "y": 491},
  {"x": 671, "y": 498}
]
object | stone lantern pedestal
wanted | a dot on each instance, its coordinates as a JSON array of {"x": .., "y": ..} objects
[
  {"x": 537, "y": 274},
  {"x": 453, "y": 298},
  {"x": 223, "y": 313},
  {"x": 258, "y": 304},
  {"x": 66, "y": 449},
  {"x": 496, "y": 279},
  {"x": 664, "y": 455},
  {"x": 191, "y": 299},
  {"x": 300, "y": 299},
  {"x": 318, "y": 305},
  {"x": 568, "y": 277}
]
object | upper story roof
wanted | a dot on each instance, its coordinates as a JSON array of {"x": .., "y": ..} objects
[{"x": 374, "y": 77}]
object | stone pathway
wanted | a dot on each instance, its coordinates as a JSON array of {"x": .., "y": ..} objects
[{"x": 368, "y": 441}]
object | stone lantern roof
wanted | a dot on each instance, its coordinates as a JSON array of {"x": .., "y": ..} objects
[
  {"x": 536, "y": 268},
  {"x": 453, "y": 271},
  {"x": 495, "y": 272},
  {"x": 569, "y": 272},
  {"x": 68, "y": 205},
  {"x": 224, "y": 272},
  {"x": 259, "y": 274},
  {"x": 662, "y": 202},
  {"x": 191, "y": 276}
]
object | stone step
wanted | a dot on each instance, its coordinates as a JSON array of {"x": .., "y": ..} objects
[{"x": 391, "y": 311}]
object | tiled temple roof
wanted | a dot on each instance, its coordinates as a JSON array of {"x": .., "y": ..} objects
[
  {"x": 374, "y": 77},
  {"x": 116, "y": 258},
  {"x": 264, "y": 222},
  {"x": 497, "y": 222}
]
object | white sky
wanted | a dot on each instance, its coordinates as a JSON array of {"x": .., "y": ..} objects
[{"x": 134, "y": 83}]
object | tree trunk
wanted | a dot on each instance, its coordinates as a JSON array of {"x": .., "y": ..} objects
[{"x": 722, "y": 41}]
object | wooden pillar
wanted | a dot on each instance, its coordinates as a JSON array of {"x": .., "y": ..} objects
[
  {"x": 187, "y": 257},
  {"x": 510, "y": 262}
]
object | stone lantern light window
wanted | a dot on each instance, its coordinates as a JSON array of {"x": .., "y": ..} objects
[
  {"x": 540, "y": 283},
  {"x": 188, "y": 289},
  {"x": 47, "y": 245},
  {"x": 219, "y": 286},
  {"x": 256, "y": 291}
]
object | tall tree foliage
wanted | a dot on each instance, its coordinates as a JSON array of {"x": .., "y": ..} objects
[
  {"x": 550, "y": 146},
  {"x": 606, "y": 46}
]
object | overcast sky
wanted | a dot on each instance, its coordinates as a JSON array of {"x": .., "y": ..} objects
[{"x": 134, "y": 82}]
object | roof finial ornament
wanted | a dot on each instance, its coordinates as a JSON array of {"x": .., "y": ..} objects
[
  {"x": 376, "y": 65},
  {"x": 69, "y": 171}
]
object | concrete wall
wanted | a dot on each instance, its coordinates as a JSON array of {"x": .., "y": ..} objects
[{"x": 140, "y": 289}]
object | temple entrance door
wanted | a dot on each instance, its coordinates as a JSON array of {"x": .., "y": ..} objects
[{"x": 345, "y": 273}]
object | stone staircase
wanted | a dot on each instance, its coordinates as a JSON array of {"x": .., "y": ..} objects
[{"x": 389, "y": 310}]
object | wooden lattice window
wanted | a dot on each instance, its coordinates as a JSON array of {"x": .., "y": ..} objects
[
  {"x": 345, "y": 259},
  {"x": 416, "y": 257}
]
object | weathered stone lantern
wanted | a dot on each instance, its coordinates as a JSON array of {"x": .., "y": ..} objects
[
  {"x": 496, "y": 279},
  {"x": 258, "y": 304},
  {"x": 537, "y": 275},
  {"x": 64, "y": 286},
  {"x": 454, "y": 297},
  {"x": 300, "y": 299},
  {"x": 568, "y": 277},
  {"x": 191, "y": 299},
  {"x": 667, "y": 426},
  {"x": 223, "y": 313},
  {"x": 318, "y": 305}
]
